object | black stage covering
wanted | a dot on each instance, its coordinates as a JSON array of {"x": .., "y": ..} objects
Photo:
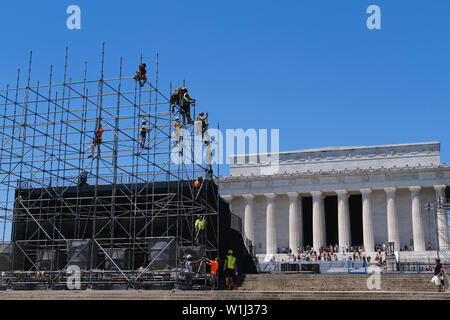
[{"x": 175, "y": 206}]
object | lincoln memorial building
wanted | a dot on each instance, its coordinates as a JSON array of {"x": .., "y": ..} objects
[{"x": 350, "y": 196}]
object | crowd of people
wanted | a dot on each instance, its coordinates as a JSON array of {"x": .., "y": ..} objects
[{"x": 331, "y": 253}]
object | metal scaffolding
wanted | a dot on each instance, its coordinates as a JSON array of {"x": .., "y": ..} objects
[
  {"x": 135, "y": 197},
  {"x": 440, "y": 213}
]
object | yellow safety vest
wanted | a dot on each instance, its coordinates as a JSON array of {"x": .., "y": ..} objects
[
  {"x": 200, "y": 224},
  {"x": 231, "y": 262}
]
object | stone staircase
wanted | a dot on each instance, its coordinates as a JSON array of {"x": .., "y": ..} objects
[
  {"x": 225, "y": 296},
  {"x": 267, "y": 287},
  {"x": 337, "y": 282}
]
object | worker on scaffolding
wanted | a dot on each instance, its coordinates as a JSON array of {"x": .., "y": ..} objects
[
  {"x": 198, "y": 188},
  {"x": 18, "y": 204},
  {"x": 97, "y": 141},
  {"x": 202, "y": 120},
  {"x": 230, "y": 269},
  {"x": 209, "y": 158},
  {"x": 144, "y": 130},
  {"x": 175, "y": 99},
  {"x": 82, "y": 182},
  {"x": 200, "y": 230},
  {"x": 141, "y": 75},
  {"x": 176, "y": 131},
  {"x": 186, "y": 106},
  {"x": 187, "y": 269}
]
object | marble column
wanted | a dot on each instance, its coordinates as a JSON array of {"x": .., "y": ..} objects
[
  {"x": 249, "y": 222},
  {"x": 295, "y": 221},
  {"x": 229, "y": 200},
  {"x": 392, "y": 223},
  {"x": 344, "y": 232},
  {"x": 442, "y": 219},
  {"x": 418, "y": 235},
  {"x": 271, "y": 227},
  {"x": 367, "y": 220},
  {"x": 319, "y": 231}
]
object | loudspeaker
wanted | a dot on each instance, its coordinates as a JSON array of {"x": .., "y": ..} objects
[
  {"x": 315, "y": 267},
  {"x": 290, "y": 267},
  {"x": 162, "y": 253},
  {"x": 11, "y": 257},
  {"x": 47, "y": 259},
  {"x": 120, "y": 256},
  {"x": 79, "y": 252}
]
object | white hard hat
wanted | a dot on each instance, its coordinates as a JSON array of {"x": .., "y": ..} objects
[{"x": 189, "y": 256}]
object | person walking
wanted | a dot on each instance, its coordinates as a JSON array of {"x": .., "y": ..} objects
[{"x": 438, "y": 275}]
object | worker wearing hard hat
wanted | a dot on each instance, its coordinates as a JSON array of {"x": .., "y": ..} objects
[{"x": 230, "y": 269}]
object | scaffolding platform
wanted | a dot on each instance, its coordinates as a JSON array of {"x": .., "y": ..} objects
[{"x": 128, "y": 225}]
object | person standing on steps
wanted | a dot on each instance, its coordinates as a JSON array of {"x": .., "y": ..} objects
[
  {"x": 214, "y": 264},
  {"x": 230, "y": 269},
  {"x": 438, "y": 275}
]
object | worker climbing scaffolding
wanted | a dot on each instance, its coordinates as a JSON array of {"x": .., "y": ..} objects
[
  {"x": 144, "y": 130},
  {"x": 176, "y": 131},
  {"x": 198, "y": 184},
  {"x": 200, "y": 231},
  {"x": 209, "y": 157},
  {"x": 96, "y": 141},
  {"x": 175, "y": 99},
  {"x": 186, "y": 102},
  {"x": 202, "y": 119},
  {"x": 141, "y": 74},
  {"x": 82, "y": 182}
]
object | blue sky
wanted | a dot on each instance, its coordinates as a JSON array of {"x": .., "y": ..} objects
[{"x": 309, "y": 68}]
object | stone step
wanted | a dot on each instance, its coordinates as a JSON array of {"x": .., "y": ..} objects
[
  {"x": 341, "y": 282},
  {"x": 220, "y": 295}
]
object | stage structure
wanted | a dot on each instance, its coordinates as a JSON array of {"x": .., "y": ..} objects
[
  {"x": 440, "y": 210},
  {"x": 133, "y": 222}
]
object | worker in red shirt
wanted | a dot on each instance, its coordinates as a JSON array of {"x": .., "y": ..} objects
[
  {"x": 97, "y": 141},
  {"x": 214, "y": 266},
  {"x": 197, "y": 188}
]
